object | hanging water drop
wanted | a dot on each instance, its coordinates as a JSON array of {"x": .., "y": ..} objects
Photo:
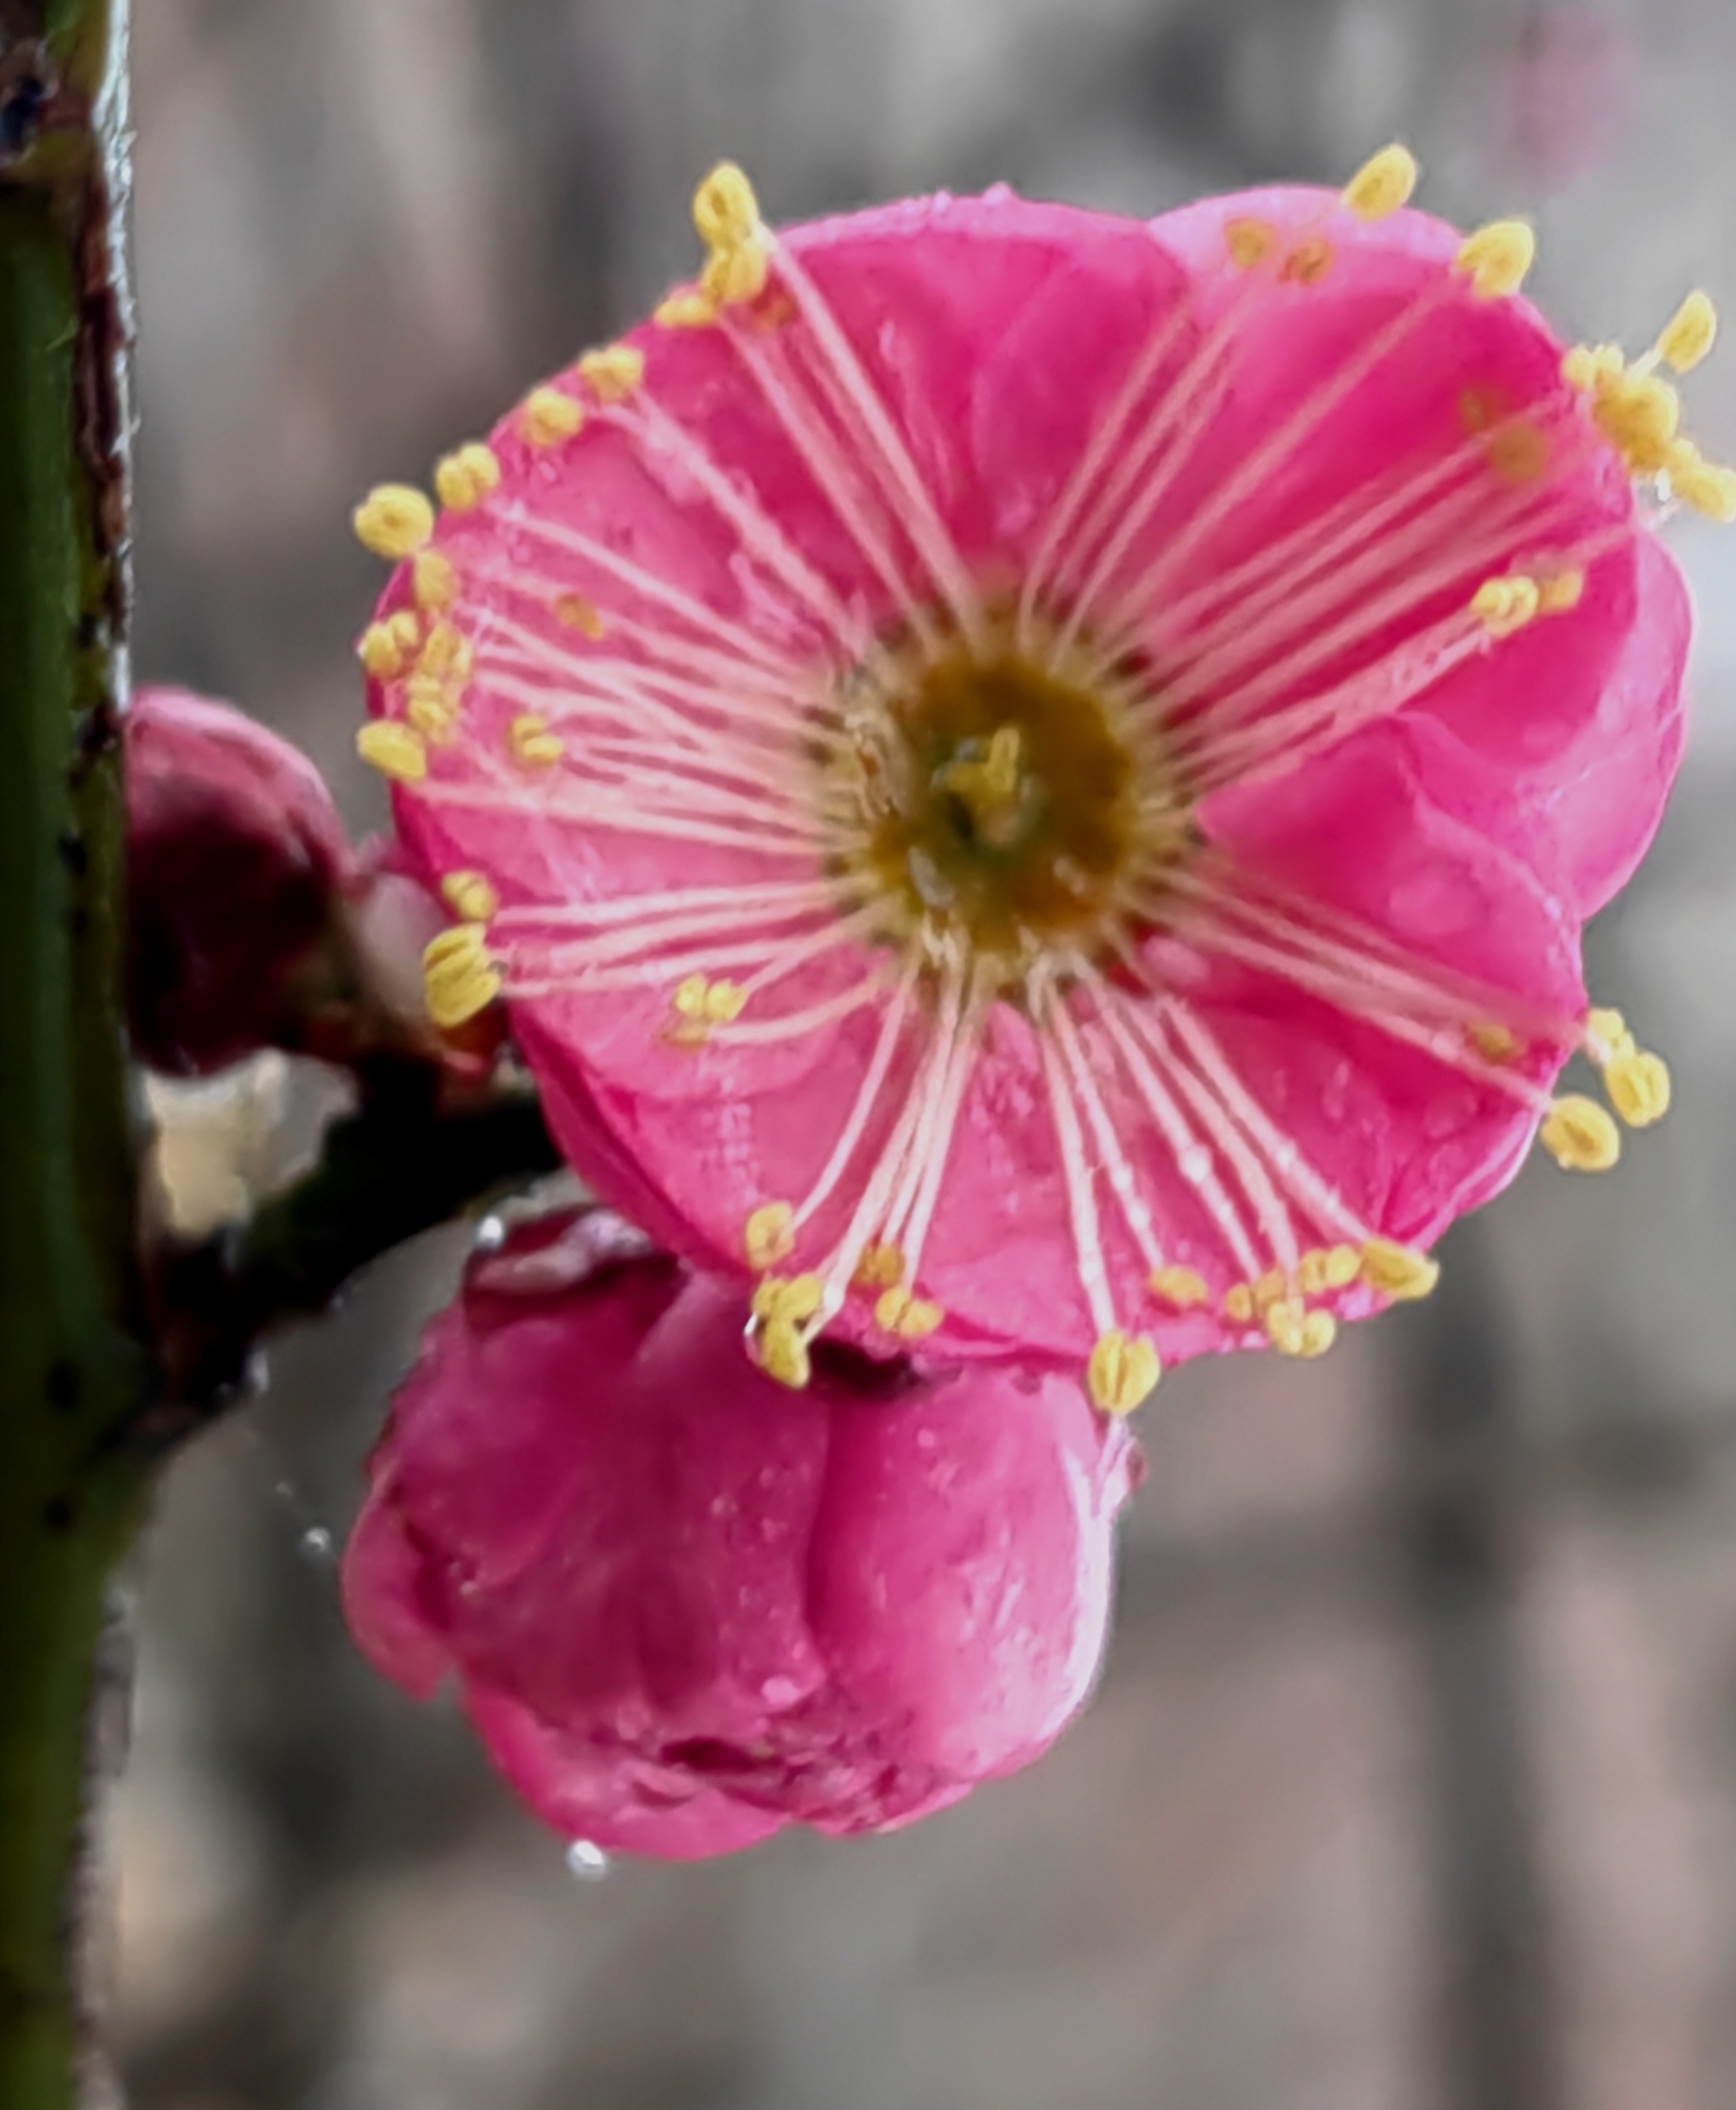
[
  {"x": 587, "y": 1861},
  {"x": 491, "y": 1235}
]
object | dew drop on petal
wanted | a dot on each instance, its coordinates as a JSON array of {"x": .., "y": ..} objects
[
  {"x": 316, "y": 1543},
  {"x": 491, "y": 1235},
  {"x": 586, "y": 1860},
  {"x": 1195, "y": 1163}
]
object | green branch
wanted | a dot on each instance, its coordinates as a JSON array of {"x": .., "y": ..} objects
[{"x": 69, "y": 1359}]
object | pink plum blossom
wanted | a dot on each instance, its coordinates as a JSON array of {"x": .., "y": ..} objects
[
  {"x": 684, "y": 1606},
  {"x": 1034, "y": 778},
  {"x": 236, "y": 858}
]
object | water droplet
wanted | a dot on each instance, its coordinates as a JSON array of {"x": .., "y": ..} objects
[
  {"x": 587, "y": 1861},
  {"x": 1195, "y": 1163},
  {"x": 317, "y": 1542},
  {"x": 491, "y": 1235}
]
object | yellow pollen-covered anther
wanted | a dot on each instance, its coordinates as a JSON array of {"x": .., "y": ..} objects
[
  {"x": 531, "y": 744},
  {"x": 1309, "y": 262},
  {"x": 1560, "y": 592},
  {"x": 1703, "y": 487},
  {"x": 465, "y": 477},
  {"x": 688, "y": 307},
  {"x": 548, "y": 416},
  {"x": 575, "y": 613},
  {"x": 699, "y": 1003},
  {"x": 879, "y": 1266},
  {"x": 613, "y": 372},
  {"x": 1688, "y": 335},
  {"x": 1122, "y": 1372},
  {"x": 910, "y": 1318},
  {"x": 394, "y": 520},
  {"x": 446, "y": 653},
  {"x": 769, "y": 1235},
  {"x": 393, "y": 749},
  {"x": 1579, "y": 1135},
  {"x": 1608, "y": 1031},
  {"x": 783, "y": 1354},
  {"x": 733, "y": 276},
  {"x": 1283, "y": 1321},
  {"x": 1383, "y": 183},
  {"x": 1504, "y": 605},
  {"x": 431, "y": 705},
  {"x": 1180, "y": 1286},
  {"x": 380, "y": 652},
  {"x": 725, "y": 210},
  {"x": 459, "y": 977},
  {"x": 1638, "y": 1087},
  {"x": 1493, "y": 1042},
  {"x": 1497, "y": 257},
  {"x": 434, "y": 581},
  {"x": 792, "y": 1300},
  {"x": 1250, "y": 242},
  {"x": 1319, "y": 1331},
  {"x": 1238, "y": 1304},
  {"x": 1398, "y": 1272},
  {"x": 468, "y": 894}
]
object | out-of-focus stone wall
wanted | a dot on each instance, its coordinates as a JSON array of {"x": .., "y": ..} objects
[{"x": 1412, "y": 1780}]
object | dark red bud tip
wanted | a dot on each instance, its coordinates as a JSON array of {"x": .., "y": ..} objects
[{"x": 236, "y": 856}]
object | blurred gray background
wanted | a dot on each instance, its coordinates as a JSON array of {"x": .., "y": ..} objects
[{"x": 1412, "y": 1785}]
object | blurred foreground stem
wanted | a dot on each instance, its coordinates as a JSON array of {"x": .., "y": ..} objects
[{"x": 72, "y": 1370}]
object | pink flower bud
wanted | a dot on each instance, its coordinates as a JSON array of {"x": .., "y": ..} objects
[
  {"x": 235, "y": 855},
  {"x": 685, "y": 1606}
]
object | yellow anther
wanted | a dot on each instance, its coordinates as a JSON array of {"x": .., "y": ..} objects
[
  {"x": 1311, "y": 1272},
  {"x": 380, "y": 652},
  {"x": 732, "y": 277},
  {"x": 1519, "y": 453},
  {"x": 769, "y": 1235},
  {"x": 431, "y": 705},
  {"x": 1272, "y": 1287},
  {"x": 699, "y": 1004},
  {"x": 465, "y": 478},
  {"x": 1238, "y": 1306},
  {"x": 1309, "y": 262},
  {"x": 576, "y": 613},
  {"x": 1504, "y": 605},
  {"x": 723, "y": 1003},
  {"x": 687, "y": 308},
  {"x": 1344, "y": 1265},
  {"x": 1497, "y": 257},
  {"x": 393, "y": 749},
  {"x": 531, "y": 744},
  {"x": 1122, "y": 1372},
  {"x": 1703, "y": 487},
  {"x": 468, "y": 894},
  {"x": 1283, "y": 1324},
  {"x": 1608, "y": 1029},
  {"x": 458, "y": 979},
  {"x": 783, "y": 1354},
  {"x": 911, "y": 1318},
  {"x": 725, "y": 210},
  {"x": 548, "y": 416},
  {"x": 394, "y": 520},
  {"x": 1382, "y": 184},
  {"x": 879, "y": 1267},
  {"x": 1180, "y": 1286},
  {"x": 1250, "y": 242},
  {"x": 1479, "y": 408},
  {"x": 406, "y": 625},
  {"x": 1638, "y": 1087},
  {"x": 1579, "y": 1135},
  {"x": 1637, "y": 414},
  {"x": 1560, "y": 592},
  {"x": 793, "y": 1299},
  {"x": 1686, "y": 338},
  {"x": 613, "y": 372},
  {"x": 1319, "y": 1331},
  {"x": 447, "y": 654},
  {"x": 1398, "y": 1272},
  {"x": 1591, "y": 367},
  {"x": 1493, "y": 1043},
  {"x": 434, "y": 581}
]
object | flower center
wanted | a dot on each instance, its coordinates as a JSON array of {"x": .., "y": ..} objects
[{"x": 990, "y": 791}]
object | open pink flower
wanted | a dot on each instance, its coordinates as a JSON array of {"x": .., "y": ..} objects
[
  {"x": 1037, "y": 777},
  {"x": 685, "y": 1607}
]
